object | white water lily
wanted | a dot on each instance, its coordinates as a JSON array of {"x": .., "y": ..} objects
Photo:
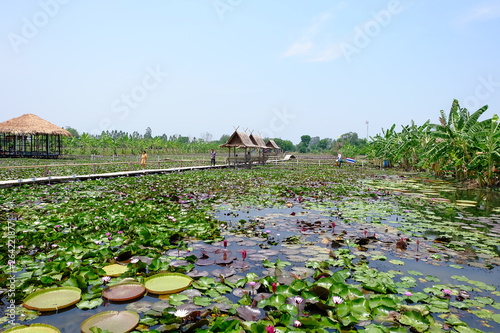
[
  {"x": 337, "y": 300},
  {"x": 181, "y": 313}
]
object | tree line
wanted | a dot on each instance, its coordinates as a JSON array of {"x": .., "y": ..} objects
[{"x": 123, "y": 143}]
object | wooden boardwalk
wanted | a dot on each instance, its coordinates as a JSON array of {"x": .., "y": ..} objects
[{"x": 62, "y": 179}]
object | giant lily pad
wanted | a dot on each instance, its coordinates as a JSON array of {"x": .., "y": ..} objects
[
  {"x": 124, "y": 291},
  {"x": 113, "y": 321},
  {"x": 167, "y": 283},
  {"x": 33, "y": 328},
  {"x": 115, "y": 270},
  {"x": 52, "y": 299}
]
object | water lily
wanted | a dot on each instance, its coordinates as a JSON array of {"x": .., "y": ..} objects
[
  {"x": 120, "y": 232},
  {"x": 446, "y": 291},
  {"x": 108, "y": 234},
  {"x": 181, "y": 313},
  {"x": 337, "y": 300},
  {"x": 298, "y": 300},
  {"x": 224, "y": 243},
  {"x": 274, "y": 285},
  {"x": 57, "y": 226},
  {"x": 408, "y": 293},
  {"x": 297, "y": 323},
  {"x": 243, "y": 254},
  {"x": 270, "y": 329}
]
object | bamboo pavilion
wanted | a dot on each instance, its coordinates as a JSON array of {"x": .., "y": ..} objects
[{"x": 30, "y": 136}]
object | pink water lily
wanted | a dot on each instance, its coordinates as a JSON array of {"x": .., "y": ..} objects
[
  {"x": 274, "y": 286},
  {"x": 408, "y": 293},
  {"x": 270, "y": 329}
]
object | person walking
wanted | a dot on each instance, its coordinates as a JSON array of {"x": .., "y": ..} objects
[
  {"x": 144, "y": 159},
  {"x": 212, "y": 157}
]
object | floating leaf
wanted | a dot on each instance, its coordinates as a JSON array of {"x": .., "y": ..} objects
[
  {"x": 113, "y": 321},
  {"x": 124, "y": 291},
  {"x": 52, "y": 299},
  {"x": 115, "y": 270},
  {"x": 33, "y": 328},
  {"x": 167, "y": 283}
]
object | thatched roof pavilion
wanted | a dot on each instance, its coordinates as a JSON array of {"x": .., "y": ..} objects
[
  {"x": 271, "y": 144},
  {"x": 258, "y": 141},
  {"x": 30, "y": 136},
  {"x": 239, "y": 140}
]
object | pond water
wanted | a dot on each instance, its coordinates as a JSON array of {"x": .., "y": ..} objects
[{"x": 419, "y": 235}]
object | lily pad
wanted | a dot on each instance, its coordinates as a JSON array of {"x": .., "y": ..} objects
[
  {"x": 167, "y": 283},
  {"x": 124, "y": 291},
  {"x": 114, "y": 321},
  {"x": 115, "y": 270},
  {"x": 33, "y": 328},
  {"x": 53, "y": 299}
]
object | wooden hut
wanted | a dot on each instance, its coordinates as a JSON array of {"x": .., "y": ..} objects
[
  {"x": 30, "y": 136},
  {"x": 242, "y": 142},
  {"x": 272, "y": 149},
  {"x": 261, "y": 148}
]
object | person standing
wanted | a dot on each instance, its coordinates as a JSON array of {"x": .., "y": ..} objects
[
  {"x": 339, "y": 160},
  {"x": 212, "y": 157},
  {"x": 144, "y": 159}
]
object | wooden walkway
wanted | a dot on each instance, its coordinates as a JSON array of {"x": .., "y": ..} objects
[{"x": 63, "y": 179}]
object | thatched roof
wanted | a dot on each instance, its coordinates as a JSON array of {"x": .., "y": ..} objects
[
  {"x": 257, "y": 140},
  {"x": 29, "y": 124},
  {"x": 272, "y": 144},
  {"x": 239, "y": 140}
]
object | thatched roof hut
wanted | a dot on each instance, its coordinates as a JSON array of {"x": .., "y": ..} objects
[
  {"x": 31, "y": 124},
  {"x": 239, "y": 140},
  {"x": 32, "y": 136},
  {"x": 271, "y": 144},
  {"x": 258, "y": 141}
]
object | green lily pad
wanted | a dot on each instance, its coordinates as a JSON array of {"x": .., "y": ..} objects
[
  {"x": 167, "y": 283},
  {"x": 124, "y": 291},
  {"x": 53, "y": 299},
  {"x": 115, "y": 270},
  {"x": 113, "y": 321},
  {"x": 33, "y": 328}
]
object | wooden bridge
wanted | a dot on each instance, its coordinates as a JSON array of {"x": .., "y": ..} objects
[{"x": 62, "y": 179}]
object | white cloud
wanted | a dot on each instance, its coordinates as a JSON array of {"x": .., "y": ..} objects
[
  {"x": 305, "y": 44},
  {"x": 331, "y": 53},
  {"x": 482, "y": 12}
]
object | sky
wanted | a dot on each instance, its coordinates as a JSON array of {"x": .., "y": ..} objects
[{"x": 281, "y": 69}]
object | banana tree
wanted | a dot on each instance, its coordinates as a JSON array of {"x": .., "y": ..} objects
[
  {"x": 454, "y": 140},
  {"x": 488, "y": 154}
]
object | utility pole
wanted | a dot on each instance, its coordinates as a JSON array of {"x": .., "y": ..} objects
[{"x": 367, "y": 131}]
